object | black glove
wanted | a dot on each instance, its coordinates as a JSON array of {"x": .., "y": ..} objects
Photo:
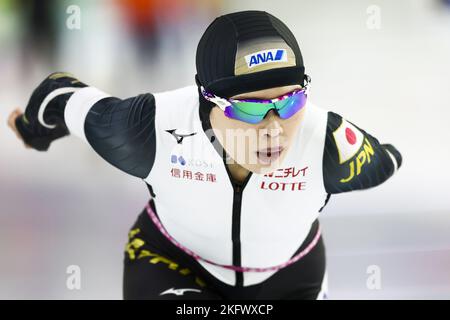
[{"x": 32, "y": 131}]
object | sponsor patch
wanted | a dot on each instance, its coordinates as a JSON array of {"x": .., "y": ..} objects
[{"x": 265, "y": 56}]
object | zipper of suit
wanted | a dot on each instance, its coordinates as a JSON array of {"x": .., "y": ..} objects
[{"x": 236, "y": 232}]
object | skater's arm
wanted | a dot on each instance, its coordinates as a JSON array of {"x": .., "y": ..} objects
[
  {"x": 355, "y": 160},
  {"x": 120, "y": 131}
]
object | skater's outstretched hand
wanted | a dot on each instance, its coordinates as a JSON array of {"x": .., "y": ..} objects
[
  {"x": 42, "y": 122},
  {"x": 12, "y": 124}
]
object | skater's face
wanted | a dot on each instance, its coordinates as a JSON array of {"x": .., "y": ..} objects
[{"x": 260, "y": 147}]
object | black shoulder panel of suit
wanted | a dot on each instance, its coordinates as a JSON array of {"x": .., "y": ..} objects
[
  {"x": 370, "y": 166},
  {"x": 123, "y": 132}
]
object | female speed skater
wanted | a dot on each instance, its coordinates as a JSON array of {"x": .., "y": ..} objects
[{"x": 238, "y": 165}]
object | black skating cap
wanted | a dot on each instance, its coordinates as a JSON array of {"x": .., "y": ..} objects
[{"x": 247, "y": 51}]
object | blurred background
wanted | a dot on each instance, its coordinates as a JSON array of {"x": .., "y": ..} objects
[{"x": 384, "y": 65}]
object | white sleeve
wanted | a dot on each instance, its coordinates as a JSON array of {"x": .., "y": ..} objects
[{"x": 77, "y": 108}]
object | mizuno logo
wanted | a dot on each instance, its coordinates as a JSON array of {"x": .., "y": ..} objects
[
  {"x": 266, "y": 56},
  {"x": 180, "y": 137},
  {"x": 178, "y": 292}
]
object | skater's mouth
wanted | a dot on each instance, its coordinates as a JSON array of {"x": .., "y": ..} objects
[{"x": 269, "y": 155}]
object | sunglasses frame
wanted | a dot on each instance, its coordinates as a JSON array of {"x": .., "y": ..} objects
[{"x": 224, "y": 102}]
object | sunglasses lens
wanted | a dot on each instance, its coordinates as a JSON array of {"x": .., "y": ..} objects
[
  {"x": 254, "y": 112},
  {"x": 290, "y": 106},
  {"x": 247, "y": 112}
]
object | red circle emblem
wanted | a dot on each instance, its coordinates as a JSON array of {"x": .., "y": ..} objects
[{"x": 350, "y": 135}]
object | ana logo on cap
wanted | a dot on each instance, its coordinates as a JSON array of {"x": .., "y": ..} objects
[{"x": 266, "y": 56}]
